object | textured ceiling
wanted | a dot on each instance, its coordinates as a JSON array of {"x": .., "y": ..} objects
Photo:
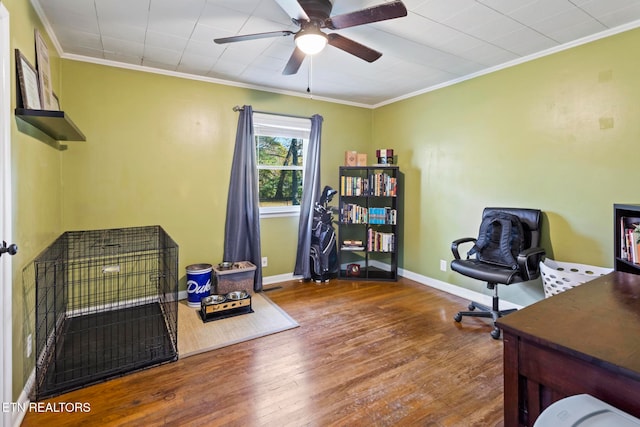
[{"x": 439, "y": 42}]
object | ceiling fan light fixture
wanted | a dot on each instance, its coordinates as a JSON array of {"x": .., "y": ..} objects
[{"x": 310, "y": 41}]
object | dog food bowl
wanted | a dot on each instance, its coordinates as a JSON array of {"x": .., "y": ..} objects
[
  {"x": 237, "y": 295},
  {"x": 214, "y": 299},
  {"x": 225, "y": 265}
]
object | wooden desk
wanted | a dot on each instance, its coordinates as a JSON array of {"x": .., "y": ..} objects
[{"x": 585, "y": 340}]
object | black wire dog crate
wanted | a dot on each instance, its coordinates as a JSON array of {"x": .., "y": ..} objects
[{"x": 106, "y": 305}]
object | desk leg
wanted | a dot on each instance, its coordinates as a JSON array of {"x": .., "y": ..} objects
[{"x": 512, "y": 396}]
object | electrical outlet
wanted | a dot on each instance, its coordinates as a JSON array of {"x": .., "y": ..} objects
[
  {"x": 29, "y": 345},
  {"x": 443, "y": 265},
  {"x": 265, "y": 261}
]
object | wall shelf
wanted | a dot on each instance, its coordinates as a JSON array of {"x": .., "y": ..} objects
[{"x": 56, "y": 124}]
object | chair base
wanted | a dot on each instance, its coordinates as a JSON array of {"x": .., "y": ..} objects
[{"x": 493, "y": 313}]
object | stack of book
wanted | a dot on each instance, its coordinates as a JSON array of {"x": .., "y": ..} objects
[
  {"x": 352, "y": 245},
  {"x": 380, "y": 242}
]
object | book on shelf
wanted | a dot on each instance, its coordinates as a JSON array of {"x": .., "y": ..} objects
[
  {"x": 352, "y": 245},
  {"x": 376, "y": 184},
  {"x": 630, "y": 239},
  {"x": 352, "y": 213},
  {"x": 385, "y": 215},
  {"x": 378, "y": 241},
  {"x": 382, "y": 184},
  {"x": 353, "y": 186}
]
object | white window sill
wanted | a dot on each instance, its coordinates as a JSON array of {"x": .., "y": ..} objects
[{"x": 279, "y": 212}]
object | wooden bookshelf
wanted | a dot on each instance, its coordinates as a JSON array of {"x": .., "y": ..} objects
[{"x": 368, "y": 222}]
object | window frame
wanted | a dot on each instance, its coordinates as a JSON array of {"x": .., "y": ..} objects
[{"x": 275, "y": 125}]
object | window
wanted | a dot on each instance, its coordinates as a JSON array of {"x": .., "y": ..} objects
[{"x": 281, "y": 144}]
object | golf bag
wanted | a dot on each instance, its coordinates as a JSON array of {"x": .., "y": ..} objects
[{"x": 324, "y": 250}]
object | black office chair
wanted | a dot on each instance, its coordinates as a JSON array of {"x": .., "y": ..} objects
[{"x": 528, "y": 261}]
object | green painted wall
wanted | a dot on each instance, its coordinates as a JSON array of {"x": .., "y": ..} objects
[
  {"x": 159, "y": 151},
  {"x": 36, "y": 189},
  {"x": 558, "y": 133}
]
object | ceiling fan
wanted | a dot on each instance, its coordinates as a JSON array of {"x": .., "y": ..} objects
[{"x": 313, "y": 15}]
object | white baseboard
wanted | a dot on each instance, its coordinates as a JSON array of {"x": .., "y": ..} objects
[
  {"x": 270, "y": 280},
  {"x": 448, "y": 287},
  {"x": 423, "y": 280},
  {"x": 23, "y": 400},
  {"x": 456, "y": 290}
]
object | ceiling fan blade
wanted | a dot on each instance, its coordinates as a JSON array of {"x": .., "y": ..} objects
[
  {"x": 294, "y": 63},
  {"x": 381, "y": 12},
  {"x": 255, "y": 36},
  {"x": 293, "y": 9},
  {"x": 353, "y": 47}
]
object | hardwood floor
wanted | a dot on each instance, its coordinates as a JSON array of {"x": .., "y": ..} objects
[{"x": 365, "y": 354}]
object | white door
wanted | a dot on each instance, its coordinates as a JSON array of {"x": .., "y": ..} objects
[{"x": 5, "y": 216}]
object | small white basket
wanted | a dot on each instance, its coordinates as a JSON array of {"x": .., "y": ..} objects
[{"x": 561, "y": 276}]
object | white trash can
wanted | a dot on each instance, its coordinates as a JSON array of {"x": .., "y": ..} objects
[
  {"x": 584, "y": 410},
  {"x": 561, "y": 276}
]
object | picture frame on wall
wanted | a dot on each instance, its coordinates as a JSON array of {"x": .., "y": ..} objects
[
  {"x": 28, "y": 82},
  {"x": 44, "y": 72}
]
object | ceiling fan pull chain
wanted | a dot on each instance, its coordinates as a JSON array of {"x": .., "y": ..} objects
[{"x": 309, "y": 76}]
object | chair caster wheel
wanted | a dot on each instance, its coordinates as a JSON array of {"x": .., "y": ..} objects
[
  {"x": 495, "y": 334},
  {"x": 458, "y": 318},
  {"x": 472, "y": 307}
]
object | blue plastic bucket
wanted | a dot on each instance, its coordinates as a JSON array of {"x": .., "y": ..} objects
[{"x": 198, "y": 283}]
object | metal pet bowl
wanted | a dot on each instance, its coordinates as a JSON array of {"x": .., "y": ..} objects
[
  {"x": 237, "y": 295},
  {"x": 225, "y": 265},
  {"x": 214, "y": 299}
]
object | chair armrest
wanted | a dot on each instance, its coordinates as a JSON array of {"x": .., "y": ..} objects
[
  {"x": 456, "y": 243},
  {"x": 529, "y": 262}
]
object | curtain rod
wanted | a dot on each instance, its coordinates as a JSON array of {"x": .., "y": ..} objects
[{"x": 238, "y": 108}]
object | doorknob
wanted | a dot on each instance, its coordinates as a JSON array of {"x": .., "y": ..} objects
[{"x": 12, "y": 249}]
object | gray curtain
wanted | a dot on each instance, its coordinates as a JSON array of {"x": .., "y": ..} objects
[
  {"x": 310, "y": 194},
  {"x": 242, "y": 227}
]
